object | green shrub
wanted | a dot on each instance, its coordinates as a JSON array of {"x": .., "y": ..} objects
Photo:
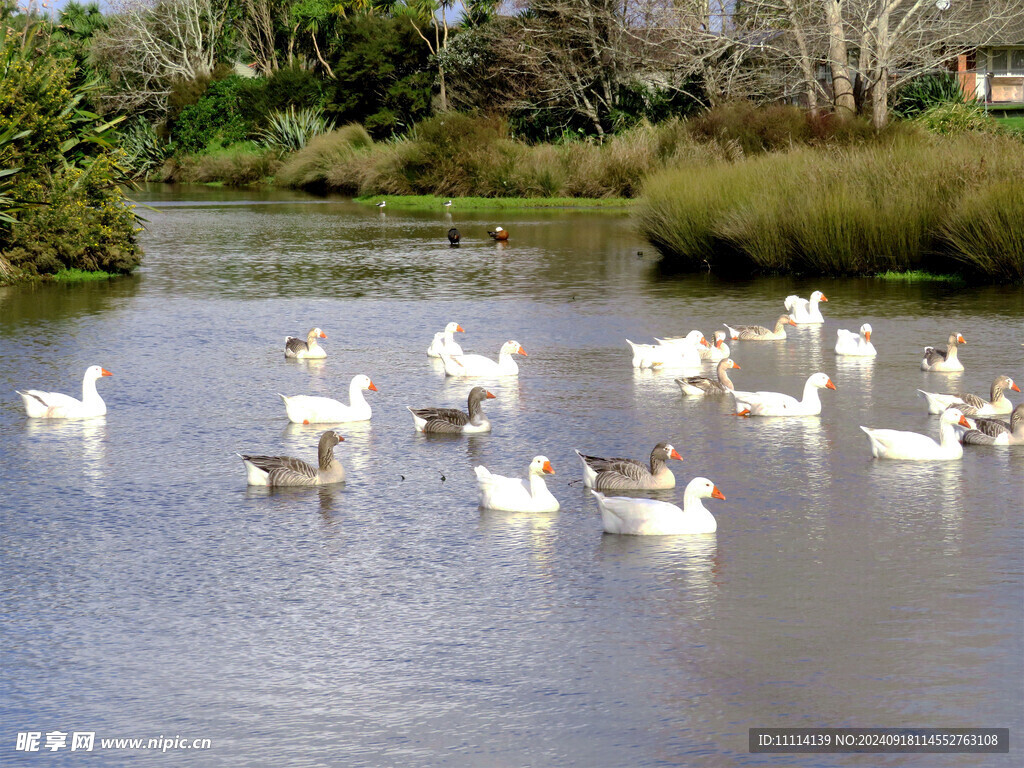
[
  {"x": 923, "y": 93},
  {"x": 951, "y": 119},
  {"x": 143, "y": 150},
  {"x": 290, "y": 130},
  {"x": 215, "y": 119},
  {"x": 328, "y": 161},
  {"x": 238, "y": 165}
]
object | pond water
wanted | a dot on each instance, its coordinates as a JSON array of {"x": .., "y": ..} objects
[{"x": 148, "y": 592}]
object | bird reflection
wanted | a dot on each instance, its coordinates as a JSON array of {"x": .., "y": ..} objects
[
  {"x": 856, "y": 371},
  {"x": 534, "y": 530},
  {"x": 93, "y": 436}
]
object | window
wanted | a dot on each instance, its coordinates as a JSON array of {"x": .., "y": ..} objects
[
  {"x": 999, "y": 61},
  {"x": 1017, "y": 61}
]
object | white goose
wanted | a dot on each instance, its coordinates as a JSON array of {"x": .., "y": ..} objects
[
  {"x": 805, "y": 311},
  {"x": 305, "y": 350},
  {"x": 54, "y": 405},
  {"x": 974, "y": 405},
  {"x": 307, "y": 409},
  {"x": 478, "y": 365},
  {"x": 674, "y": 352},
  {"x": 648, "y": 517},
  {"x": 943, "y": 358},
  {"x": 718, "y": 351},
  {"x": 855, "y": 344},
  {"x": 779, "y": 404},
  {"x": 444, "y": 341},
  {"x": 911, "y": 446},
  {"x": 510, "y": 494}
]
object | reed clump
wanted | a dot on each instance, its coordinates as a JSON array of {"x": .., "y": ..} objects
[
  {"x": 239, "y": 165},
  {"x": 910, "y": 201}
]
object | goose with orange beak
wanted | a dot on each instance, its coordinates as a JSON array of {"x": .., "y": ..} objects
[
  {"x": 510, "y": 494},
  {"x": 649, "y": 517},
  {"x": 779, "y": 404},
  {"x": 855, "y": 344},
  {"x": 452, "y": 421},
  {"x": 54, "y": 405},
  {"x": 444, "y": 341},
  {"x": 630, "y": 474},
  {"x": 805, "y": 311},
  {"x": 307, "y": 409},
  {"x": 944, "y": 358},
  {"x": 911, "y": 446},
  {"x": 308, "y": 349},
  {"x": 480, "y": 366}
]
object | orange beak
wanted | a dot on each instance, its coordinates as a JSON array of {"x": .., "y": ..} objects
[
  {"x": 547, "y": 468},
  {"x": 744, "y": 412},
  {"x": 867, "y": 336},
  {"x": 460, "y": 328},
  {"x": 490, "y": 396},
  {"x": 1014, "y": 387},
  {"x": 372, "y": 387},
  {"x": 675, "y": 455},
  {"x": 736, "y": 366},
  {"x": 824, "y": 297},
  {"x": 830, "y": 385},
  {"x": 718, "y": 343},
  {"x": 323, "y": 335},
  {"x": 105, "y": 372},
  {"x": 704, "y": 342},
  {"x": 717, "y": 494},
  {"x": 964, "y": 422},
  {"x": 340, "y": 438},
  {"x": 792, "y": 321},
  {"x": 961, "y": 340},
  {"x": 522, "y": 352}
]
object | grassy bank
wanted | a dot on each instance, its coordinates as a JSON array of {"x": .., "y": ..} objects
[
  {"x": 81, "y": 276},
  {"x": 433, "y": 203},
  {"x": 916, "y": 201}
]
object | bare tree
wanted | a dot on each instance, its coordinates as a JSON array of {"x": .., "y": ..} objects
[
  {"x": 258, "y": 32},
  {"x": 152, "y": 43}
]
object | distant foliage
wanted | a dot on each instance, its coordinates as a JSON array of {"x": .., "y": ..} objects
[
  {"x": 215, "y": 119},
  {"x": 928, "y": 91},
  {"x": 65, "y": 207},
  {"x": 290, "y": 130},
  {"x": 144, "y": 152},
  {"x": 914, "y": 202}
]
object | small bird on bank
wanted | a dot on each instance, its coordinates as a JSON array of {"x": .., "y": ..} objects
[
  {"x": 454, "y": 236},
  {"x": 498, "y": 234},
  {"x": 382, "y": 203},
  {"x": 447, "y": 204}
]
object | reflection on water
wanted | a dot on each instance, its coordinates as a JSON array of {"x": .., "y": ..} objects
[{"x": 412, "y": 626}]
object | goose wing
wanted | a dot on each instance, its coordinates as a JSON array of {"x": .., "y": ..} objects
[
  {"x": 991, "y": 427},
  {"x": 933, "y": 355},
  {"x": 295, "y": 345},
  {"x": 609, "y": 471},
  {"x": 442, "y": 420},
  {"x": 752, "y": 331},
  {"x": 284, "y": 470}
]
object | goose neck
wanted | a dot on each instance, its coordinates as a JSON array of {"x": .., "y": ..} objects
[
  {"x": 692, "y": 502},
  {"x": 89, "y": 393},
  {"x": 723, "y": 377},
  {"x": 538, "y": 488},
  {"x": 325, "y": 456},
  {"x": 355, "y": 394},
  {"x": 811, "y": 394}
]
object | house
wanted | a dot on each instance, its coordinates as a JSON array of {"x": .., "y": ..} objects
[{"x": 994, "y": 73}]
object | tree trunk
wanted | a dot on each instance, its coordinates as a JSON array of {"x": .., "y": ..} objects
[
  {"x": 444, "y": 93},
  {"x": 842, "y": 85},
  {"x": 880, "y": 88}
]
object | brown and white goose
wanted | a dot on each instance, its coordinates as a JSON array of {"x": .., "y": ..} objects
[
  {"x": 974, "y": 405},
  {"x": 700, "y": 386},
  {"x": 759, "y": 332},
  {"x": 717, "y": 351},
  {"x": 943, "y": 358},
  {"x": 452, "y": 421},
  {"x": 997, "y": 431},
  {"x": 629, "y": 474},
  {"x": 308, "y": 349},
  {"x": 279, "y": 471}
]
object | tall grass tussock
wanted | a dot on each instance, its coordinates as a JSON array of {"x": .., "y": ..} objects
[{"x": 911, "y": 201}]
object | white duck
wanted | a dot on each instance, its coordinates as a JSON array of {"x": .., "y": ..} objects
[
  {"x": 688, "y": 349},
  {"x": 478, "y": 365},
  {"x": 648, "y": 517},
  {"x": 277, "y": 471},
  {"x": 973, "y": 405},
  {"x": 54, "y": 405},
  {"x": 779, "y": 404},
  {"x": 855, "y": 344},
  {"x": 510, "y": 494},
  {"x": 307, "y": 409},
  {"x": 305, "y": 350},
  {"x": 444, "y": 341},
  {"x": 895, "y": 444},
  {"x": 943, "y": 358},
  {"x": 805, "y": 311},
  {"x": 718, "y": 351}
]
